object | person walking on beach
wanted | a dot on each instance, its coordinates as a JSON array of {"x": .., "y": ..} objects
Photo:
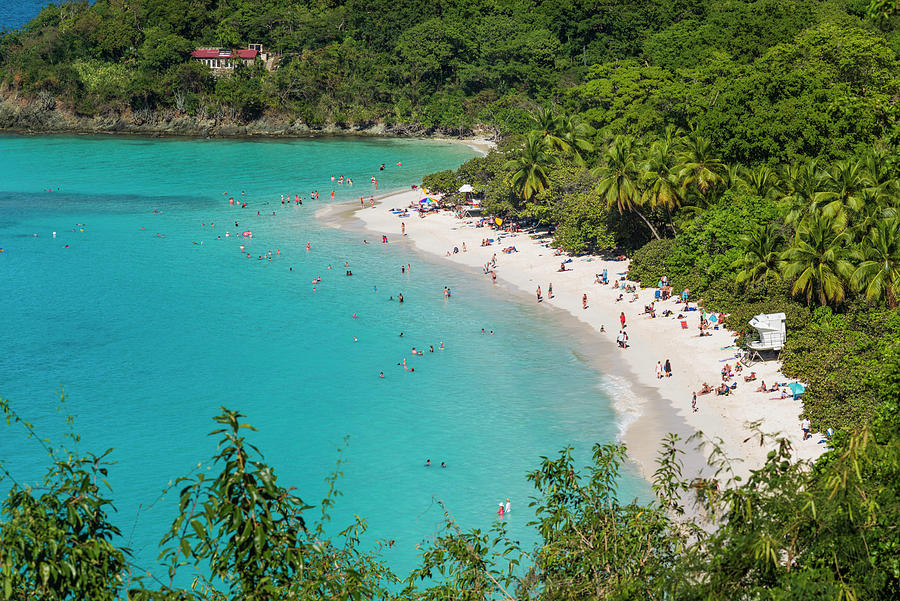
[
  {"x": 584, "y": 301},
  {"x": 694, "y": 402},
  {"x": 668, "y": 369},
  {"x": 659, "y": 370},
  {"x": 539, "y": 294},
  {"x": 622, "y": 318},
  {"x": 550, "y": 290},
  {"x": 805, "y": 426},
  {"x": 402, "y": 228}
]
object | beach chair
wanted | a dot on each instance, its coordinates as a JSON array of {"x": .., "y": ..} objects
[{"x": 684, "y": 324}]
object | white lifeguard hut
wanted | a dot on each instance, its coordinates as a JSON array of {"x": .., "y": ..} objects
[{"x": 772, "y": 334}]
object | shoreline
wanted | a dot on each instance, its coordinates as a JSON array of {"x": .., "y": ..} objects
[
  {"x": 656, "y": 406},
  {"x": 18, "y": 117}
]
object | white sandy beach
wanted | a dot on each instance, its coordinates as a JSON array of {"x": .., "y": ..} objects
[{"x": 661, "y": 401}]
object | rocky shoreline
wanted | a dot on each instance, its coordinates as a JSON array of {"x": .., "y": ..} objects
[{"x": 18, "y": 116}]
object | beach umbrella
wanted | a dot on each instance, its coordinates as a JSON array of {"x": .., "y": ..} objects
[
  {"x": 797, "y": 388},
  {"x": 466, "y": 188}
]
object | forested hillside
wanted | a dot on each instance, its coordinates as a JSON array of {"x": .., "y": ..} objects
[{"x": 761, "y": 79}]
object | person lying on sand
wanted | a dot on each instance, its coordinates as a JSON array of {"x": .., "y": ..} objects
[
  {"x": 706, "y": 389},
  {"x": 751, "y": 377}
]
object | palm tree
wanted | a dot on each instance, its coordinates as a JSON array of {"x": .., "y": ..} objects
[
  {"x": 733, "y": 176},
  {"x": 548, "y": 124},
  {"x": 876, "y": 206},
  {"x": 762, "y": 256},
  {"x": 762, "y": 182},
  {"x": 818, "y": 259},
  {"x": 619, "y": 183},
  {"x": 530, "y": 174},
  {"x": 662, "y": 189},
  {"x": 879, "y": 273},
  {"x": 846, "y": 181},
  {"x": 573, "y": 133},
  {"x": 804, "y": 189},
  {"x": 701, "y": 170},
  {"x": 879, "y": 169}
]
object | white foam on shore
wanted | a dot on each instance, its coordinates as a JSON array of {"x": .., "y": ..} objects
[{"x": 625, "y": 402}]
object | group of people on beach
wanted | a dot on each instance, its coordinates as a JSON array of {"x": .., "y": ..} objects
[{"x": 663, "y": 370}]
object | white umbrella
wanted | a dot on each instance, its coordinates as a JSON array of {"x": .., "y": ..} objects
[{"x": 466, "y": 188}]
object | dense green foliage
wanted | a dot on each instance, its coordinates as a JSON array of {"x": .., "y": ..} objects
[
  {"x": 761, "y": 80},
  {"x": 791, "y": 531}
]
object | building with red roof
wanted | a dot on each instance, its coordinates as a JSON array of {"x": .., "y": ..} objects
[{"x": 226, "y": 58}]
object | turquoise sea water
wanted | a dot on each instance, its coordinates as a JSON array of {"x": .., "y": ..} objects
[{"x": 149, "y": 335}]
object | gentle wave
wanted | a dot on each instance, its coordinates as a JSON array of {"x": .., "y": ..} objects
[{"x": 626, "y": 403}]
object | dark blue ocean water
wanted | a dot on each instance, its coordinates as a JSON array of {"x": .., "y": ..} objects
[
  {"x": 150, "y": 332},
  {"x": 16, "y": 13}
]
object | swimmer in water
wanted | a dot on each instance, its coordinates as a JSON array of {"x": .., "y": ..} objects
[
  {"x": 443, "y": 464},
  {"x": 381, "y": 374},
  {"x": 428, "y": 463}
]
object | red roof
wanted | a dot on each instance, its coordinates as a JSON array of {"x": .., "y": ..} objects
[{"x": 223, "y": 53}]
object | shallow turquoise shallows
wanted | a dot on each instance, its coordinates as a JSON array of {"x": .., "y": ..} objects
[{"x": 150, "y": 322}]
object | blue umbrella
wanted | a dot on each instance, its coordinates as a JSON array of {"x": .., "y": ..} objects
[{"x": 797, "y": 388}]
